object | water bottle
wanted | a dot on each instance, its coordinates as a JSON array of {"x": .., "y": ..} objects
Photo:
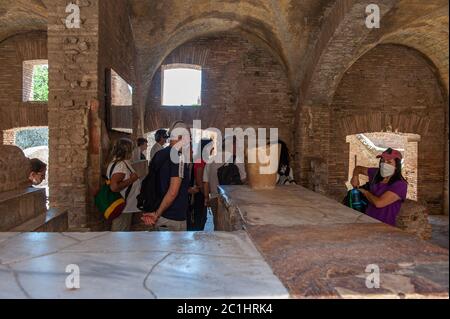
[{"x": 356, "y": 201}]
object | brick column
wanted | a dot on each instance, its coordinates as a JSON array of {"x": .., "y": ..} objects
[
  {"x": 73, "y": 90},
  {"x": 446, "y": 199},
  {"x": 8, "y": 137},
  {"x": 313, "y": 147}
]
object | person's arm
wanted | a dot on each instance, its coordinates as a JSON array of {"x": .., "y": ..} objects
[
  {"x": 243, "y": 173},
  {"x": 119, "y": 183},
  {"x": 199, "y": 178},
  {"x": 206, "y": 190},
  {"x": 359, "y": 170},
  {"x": 206, "y": 193},
  {"x": 171, "y": 195},
  {"x": 174, "y": 187},
  {"x": 380, "y": 202}
]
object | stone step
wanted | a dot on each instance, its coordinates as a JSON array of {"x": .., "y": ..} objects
[
  {"x": 19, "y": 206},
  {"x": 53, "y": 220}
]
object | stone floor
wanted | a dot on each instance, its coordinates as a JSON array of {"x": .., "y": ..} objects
[{"x": 135, "y": 265}]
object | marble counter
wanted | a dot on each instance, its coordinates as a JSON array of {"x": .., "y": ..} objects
[
  {"x": 321, "y": 249},
  {"x": 285, "y": 243},
  {"x": 135, "y": 265}
]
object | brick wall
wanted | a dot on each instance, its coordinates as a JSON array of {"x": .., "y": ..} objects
[
  {"x": 116, "y": 51},
  {"x": 14, "y": 112},
  {"x": 391, "y": 87},
  {"x": 242, "y": 85}
]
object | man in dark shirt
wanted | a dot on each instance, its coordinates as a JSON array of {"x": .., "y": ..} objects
[{"x": 173, "y": 183}]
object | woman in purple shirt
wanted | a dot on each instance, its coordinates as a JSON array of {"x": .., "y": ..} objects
[{"x": 388, "y": 187}]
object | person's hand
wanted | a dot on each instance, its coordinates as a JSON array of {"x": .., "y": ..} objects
[
  {"x": 134, "y": 177},
  {"x": 355, "y": 181},
  {"x": 150, "y": 219},
  {"x": 207, "y": 202},
  {"x": 363, "y": 191}
]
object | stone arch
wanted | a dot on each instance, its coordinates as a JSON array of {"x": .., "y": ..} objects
[
  {"x": 207, "y": 24},
  {"x": 391, "y": 88},
  {"x": 378, "y": 122},
  {"x": 247, "y": 56}
]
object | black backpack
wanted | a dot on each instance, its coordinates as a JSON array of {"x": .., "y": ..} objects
[
  {"x": 229, "y": 174},
  {"x": 150, "y": 196}
]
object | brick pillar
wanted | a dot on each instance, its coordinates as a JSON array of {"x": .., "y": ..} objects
[
  {"x": 446, "y": 199},
  {"x": 8, "y": 137},
  {"x": 73, "y": 86},
  {"x": 313, "y": 131}
]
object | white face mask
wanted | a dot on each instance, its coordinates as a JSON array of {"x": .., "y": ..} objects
[{"x": 386, "y": 170}]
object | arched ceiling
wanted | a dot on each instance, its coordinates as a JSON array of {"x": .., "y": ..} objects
[
  {"x": 285, "y": 26},
  {"x": 17, "y": 16},
  {"x": 407, "y": 22},
  {"x": 429, "y": 35},
  {"x": 316, "y": 40}
]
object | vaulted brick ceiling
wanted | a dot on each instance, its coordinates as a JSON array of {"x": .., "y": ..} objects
[
  {"x": 317, "y": 40},
  {"x": 307, "y": 36},
  {"x": 285, "y": 26},
  {"x": 17, "y": 16}
]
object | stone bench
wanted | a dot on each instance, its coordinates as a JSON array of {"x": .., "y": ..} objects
[
  {"x": 19, "y": 206},
  {"x": 53, "y": 220}
]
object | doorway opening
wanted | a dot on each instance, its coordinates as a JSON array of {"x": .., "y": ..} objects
[{"x": 365, "y": 147}]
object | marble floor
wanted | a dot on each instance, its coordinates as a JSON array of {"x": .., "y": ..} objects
[{"x": 135, "y": 265}]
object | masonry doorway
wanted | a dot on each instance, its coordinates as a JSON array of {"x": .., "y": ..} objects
[{"x": 364, "y": 147}]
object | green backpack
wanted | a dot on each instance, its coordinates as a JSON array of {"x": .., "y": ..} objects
[{"x": 111, "y": 204}]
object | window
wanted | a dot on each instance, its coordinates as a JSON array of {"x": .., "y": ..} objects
[
  {"x": 119, "y": 103},
  {"x": 35, "y": 81},
  {"x": 181, "y": 85}
]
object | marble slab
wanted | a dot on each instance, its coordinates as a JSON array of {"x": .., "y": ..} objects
[
  {"x": 330, "y": 261},
  {"x": 236, "y": 244},
  {"x": 136, "y": 265},
  {"x": 288, "y": 206}
]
